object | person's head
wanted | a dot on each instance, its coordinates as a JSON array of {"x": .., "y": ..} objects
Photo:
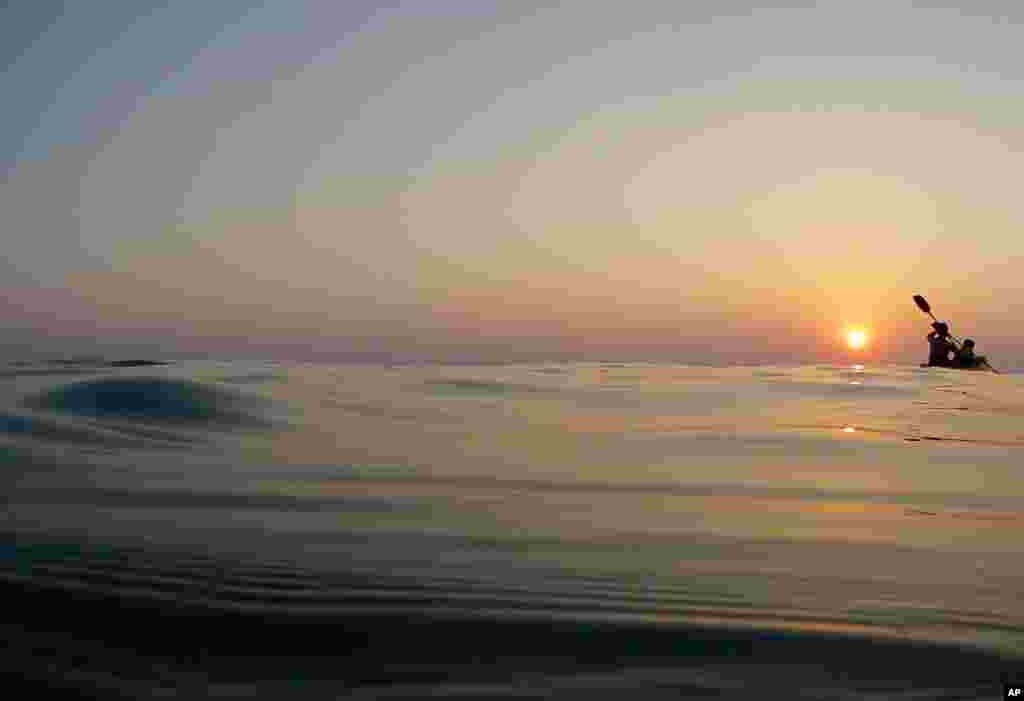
[
  {"x": 940, "y": 328},
  {"x": 968, "y": 344}
]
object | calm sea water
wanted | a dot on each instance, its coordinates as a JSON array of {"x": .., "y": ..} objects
[{"x": 718, "y": 506}]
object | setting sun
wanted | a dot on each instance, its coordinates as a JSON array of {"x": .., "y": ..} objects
[{"x": 856, "y": 338}]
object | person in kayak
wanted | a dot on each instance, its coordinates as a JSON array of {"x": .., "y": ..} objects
[
  {"x": 966, "y": 358},
  {"x": 940, "y": 345}
]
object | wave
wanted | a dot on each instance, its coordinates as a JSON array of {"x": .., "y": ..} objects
[
  {"x": 146, "y": 399},
  {"x": 478, "y": 388},
  {"x": 189, "y": 626}
]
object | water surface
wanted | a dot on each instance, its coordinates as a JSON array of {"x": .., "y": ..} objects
[{"x": 741, "y": 509}]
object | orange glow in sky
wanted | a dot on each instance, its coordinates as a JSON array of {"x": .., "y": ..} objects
[{"x": 602, "y": 195}]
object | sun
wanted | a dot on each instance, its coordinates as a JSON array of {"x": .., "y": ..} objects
[{"x": 856, "y": 338}]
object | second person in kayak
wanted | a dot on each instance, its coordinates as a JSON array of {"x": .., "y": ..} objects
[{"x": 966, "y": 358}]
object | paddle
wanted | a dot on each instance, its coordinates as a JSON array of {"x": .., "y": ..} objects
[{"x": 923, "y": 305}]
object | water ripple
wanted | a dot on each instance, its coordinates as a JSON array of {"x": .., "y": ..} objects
[{"x": 145, "y": 399}]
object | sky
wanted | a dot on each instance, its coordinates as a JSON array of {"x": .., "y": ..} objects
[{"x": 468, "y": 180}]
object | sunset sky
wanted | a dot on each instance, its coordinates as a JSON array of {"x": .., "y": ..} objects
[{"x": 462, "y": 179}]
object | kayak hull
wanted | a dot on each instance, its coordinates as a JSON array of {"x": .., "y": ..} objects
[{"x": 977, "y": 367}]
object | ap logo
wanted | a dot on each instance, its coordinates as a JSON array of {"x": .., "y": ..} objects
[{"x": 1013, "y": 692}]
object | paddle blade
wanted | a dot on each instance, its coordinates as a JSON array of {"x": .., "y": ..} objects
[{"x": 922, "y": 304}]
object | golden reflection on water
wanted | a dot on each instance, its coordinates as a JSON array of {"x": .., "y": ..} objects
[
  {"x": 618, "y": 447},
  {"x": 665, "y": 425}
]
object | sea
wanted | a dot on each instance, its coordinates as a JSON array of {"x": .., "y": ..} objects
[{"x": 241, "y": 529}]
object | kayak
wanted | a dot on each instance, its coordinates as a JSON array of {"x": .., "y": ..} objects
[
  {"x": 980, "y": 363},
  {"x": 977, "y": 367}
]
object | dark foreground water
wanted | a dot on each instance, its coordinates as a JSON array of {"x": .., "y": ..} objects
[{"x": 235, "y": 530}]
